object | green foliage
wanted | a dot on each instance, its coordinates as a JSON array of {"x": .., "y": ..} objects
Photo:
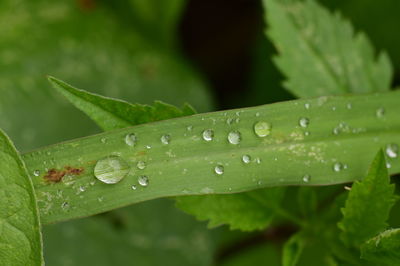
[
  {"x": 368, "y": 205},
  {"x": 383, "y": 249},
  {"x": 260, "y": 207},
  {"x": 20, "y": 237},
  {"x": 319, "y": 53},
  {"x": 292, "y": 250}
]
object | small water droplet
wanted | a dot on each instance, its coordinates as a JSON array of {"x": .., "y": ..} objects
[
  {"x": 307, "y": 106},
  {"x": 258, "y": 160},
  {"x": 103, "y": 140},
  {"x": 307, "y": 133},
  {"x": 143, "y": 180},
  {"x": 380, "y": 112},
  {"x": 392, "y": 150},
  {"x": 219, "y": 169},
  {"x": 306, "y": 178},
  {"x": 189, "y": 128},
  {"x": 349, "y": 106},
  {"x": 131, "y": 139},
  {"x": 111, "y": 169},
  {"x": 133, "y": 187},
  {"x": 148, "y": 147},
  {"x": 234, "y": 137},
  {"x": 165, "y": 139},
  {"x": 141, "y": 165},
  {"x": 262, "y": 129},
  {"x": 303, "y": 122},
  {"x": 257, "y": 114},
  {"x": 246, "y": 159},
  {"x": 65, "y": 206},
  {"x": 334, "y": 108},
  {"x": 337, "y": 167},
  {"x": 82, "y": 189},
  {"x": 388, "y": 165},
  {"x": 36, "y": 173},
  {"x": 208, "y": 134},
  {"x": 100, "y": 199},
  {"x": 336, "y": 131},
  {"x": 229, "y": 121}
]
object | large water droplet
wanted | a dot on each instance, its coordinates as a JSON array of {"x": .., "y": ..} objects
[
  {"x": 306, "y": 178},
  {"x": 141, "y": 165},
  {"x": 143, "y": 180},
  {"x": 165, "y": 139},
  {"x": 303, "y": 122},
  {"x": 262, "y": 129},
  {"x": 131, "y": 139},
  {"x": 208, "y": 134},
  {"x": 392, "y": 150},
  {"x": 234, "y": 137},
  {"x": 380, "y": 112},
  {"x": 111, "y": 169},
  {"x": 246, "y": 159},
  {"x": 36, "y": 173},
  {"x": 219, "y": 169}
]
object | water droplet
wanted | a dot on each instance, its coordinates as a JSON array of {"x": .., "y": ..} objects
[
  {"x": 189, "y": 128},
  {"x": 103, "y": 140},
  {"x": 36, "y": 173},
  {"x": 336, "y": 131},
  {"x": 131, "y": 139},
  {"x": 229, "y": 121},
  {"x": 141, "y": 165},
  {"x": 258, "y": 160},
  {"x": 334, "y": 108},
  {"x": 65, "y": 206},
  {"x": 219, "y": 169},
  {"x": 165, "y": 139},
  {"x": 82, "y": 189},
  {"x": 337, "y": 167},
  {"x": 306, "y": 178},
  {"x": 388, "y": 165},
  {"x": 246, "y": 159},
  {"x": 100, "y": 199},
  {"x": 307, "y": 133},
  {"x": 133, "y": 187},
  {"x": 208, "y": 134},
  {"x": 307, "y": 105},
  {"x": 111, "y": 169},
  {"x": 380, "y": 112},
  {"x": 257, "y": 114},
  {"x": 143, "y": 180},
  {"x": 349, "y": 106},
  {"x": 234, "y": 137},
  {"x": 392, "y": 150},
  {"x": 262, "y": 129},
  {"x": 303, "y": 122},
  {"x": 148, "y": 147}
]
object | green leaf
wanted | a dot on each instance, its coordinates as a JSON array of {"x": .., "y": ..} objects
[
  {"x": 368, "y": 205},
  {"x": 293, "y": 249},
  {"x": 383, "y": 249},
  {"x": 111, "y": 113},
  {"x": 20, "y": 237},
  {"x": 247, "y": 211},
  {"x": 186, "y": 166},
  {"x": 319, "y": 52},
  {"x": 307, "y": 200},
  {"x": 220, "y": 209}
]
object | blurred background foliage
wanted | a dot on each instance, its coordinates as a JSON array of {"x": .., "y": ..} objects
[{"x": 209, "y": 53}]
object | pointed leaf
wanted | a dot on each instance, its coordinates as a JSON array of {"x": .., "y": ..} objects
[{"x": 20, "y": 237}]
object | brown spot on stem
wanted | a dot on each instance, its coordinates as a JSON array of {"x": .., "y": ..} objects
[{"x": 55, "y": 176}]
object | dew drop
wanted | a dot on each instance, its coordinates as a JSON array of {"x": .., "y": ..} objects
[
  {"x": 143, "y": 180},
  {"x": 82, "y": 189},
  {"x": 307, "y": 133},
  {"x": 65, "y": 206},
  {"x": 392, "y": 150},
  {"x": 307, "y": 106},
  {"x": 111, "y": 169},
  {"x": 380, "y": 112},
  {"x": 229, "y": 121},
  {"x": 133, "y": 187},
  {"x": 36, "y": 173},
  {"x": 258, "y": 160},
  {"x": 148, "y": 147},
  {"x": 131, "y": 139},
  {"x": 189, "y": 128},
  {"x": 257, "y": 114},
  {"x": 208, "y": 134},
  {"x": 246, "y": 159},
  {"x": 306, "y": 178},
  {"x": 165, "y": 139},
  {"x": 234, "y": 137},
  {"x": 303, "y": 122},
  {"x": 388, "y": 165},
  {"x": 141, "y": 165},
  {"x": 103, "y": 140},
  {"x": 219, "y": 169},
  {"x": 262, "y": 129},
  {"x": 349, "y": 106},
  {"x": 337, "y": 167}
]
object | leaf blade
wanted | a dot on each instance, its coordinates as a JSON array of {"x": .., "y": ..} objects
[
  {"x": 368, "y": 205},
  {"x": 20, "y": 238},
  {"x": 333, "y": 67}
]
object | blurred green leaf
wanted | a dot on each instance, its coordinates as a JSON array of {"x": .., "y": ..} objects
[
  {"x": 314, "y": 61},
  {"x": 20, "y": 237},
  {"x": 110, "y": 113},
  {"x": 383, "y": 249},
  {"x": 147, "y": 234},
  {"x": 88, "y": 47},
  {"x": 307, "y": 200},
  {"x": 247, "y": 211},
  {"x": 293, "y": 249},
  {"x": 368, "y": 205}
]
